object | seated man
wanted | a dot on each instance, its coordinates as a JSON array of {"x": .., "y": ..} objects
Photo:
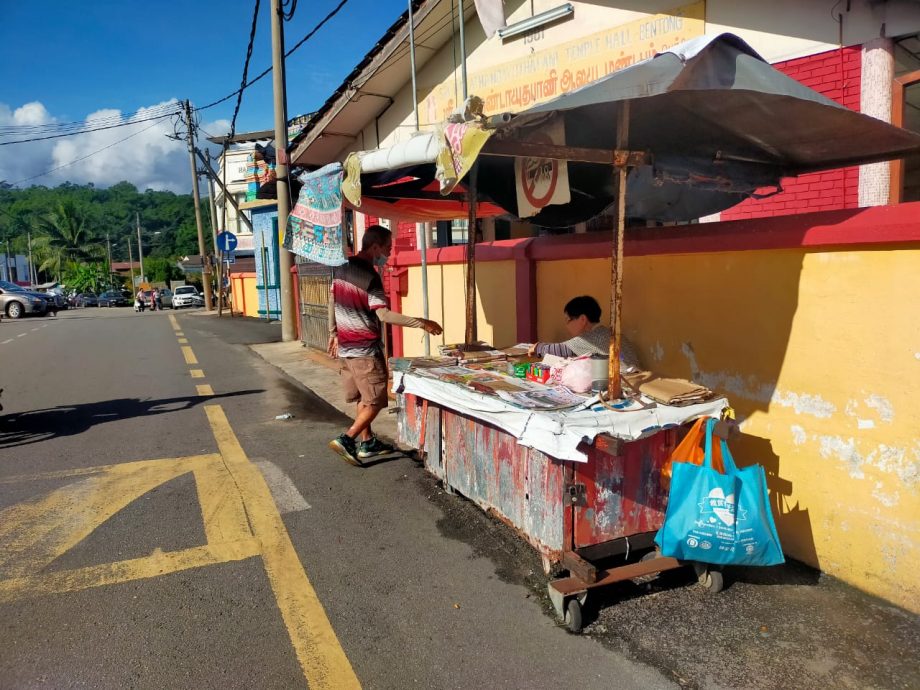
[{"x": 589, "y": 337}]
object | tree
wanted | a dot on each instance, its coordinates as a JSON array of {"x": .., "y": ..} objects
[
  {"x": 88, "y": 277},
  {"x": 64, "y": 239}
]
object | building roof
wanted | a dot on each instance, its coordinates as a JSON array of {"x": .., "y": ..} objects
[{"x": 371, "y": 87}]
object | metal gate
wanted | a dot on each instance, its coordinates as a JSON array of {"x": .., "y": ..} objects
[{"x": 314, "y": 281}]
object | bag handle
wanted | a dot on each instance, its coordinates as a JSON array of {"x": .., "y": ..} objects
[{"x": 727, "y": 460}]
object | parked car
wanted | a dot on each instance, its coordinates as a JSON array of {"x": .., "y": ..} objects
[
  {"x": 16, "y": 302},
  {"x": 85, "y": 299},
  {"x": 111, "y": 299},
  {"x": 186, "y": 296},
  {"x": 166, "y": 297}
]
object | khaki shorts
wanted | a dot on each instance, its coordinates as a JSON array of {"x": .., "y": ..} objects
[{"x": 365, "y": 379}]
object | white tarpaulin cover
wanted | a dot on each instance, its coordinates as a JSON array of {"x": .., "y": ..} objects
[{"x": 555, "y": 433}]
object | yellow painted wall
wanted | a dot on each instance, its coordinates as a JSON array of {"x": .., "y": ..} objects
[
  {"x": 495, "y": 304},
  {"x": 819, "y": 353},
  {"x": 244, "y": 292}
]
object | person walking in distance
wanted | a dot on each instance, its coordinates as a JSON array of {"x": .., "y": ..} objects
[{"x": 357, "y": 308}]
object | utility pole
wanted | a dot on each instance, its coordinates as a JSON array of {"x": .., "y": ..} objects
[
  {"x": 131, "y": 266},
  {"x": 108, "y": 246},
  {"x": 32, "y": 275},
  {"x": 206, "y": 270},
  {"x": 140, "y": 247},
  {"x": 286, "y": 262},
  {"x": 213, "y": 204}
]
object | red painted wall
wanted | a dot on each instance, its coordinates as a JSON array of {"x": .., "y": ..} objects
[{"x": 835, "y": 74}]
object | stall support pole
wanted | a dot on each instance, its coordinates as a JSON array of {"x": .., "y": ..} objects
[
  {"x": 423, "y": 229},
  {"x": 614, "y": 389},
  {"x": 471, "y": 335}
]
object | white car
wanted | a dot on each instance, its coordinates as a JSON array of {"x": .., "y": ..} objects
[{"x": 186, "y": 296}]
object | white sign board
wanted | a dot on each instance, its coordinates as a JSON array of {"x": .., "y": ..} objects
[{"x": 541, "y": 182}]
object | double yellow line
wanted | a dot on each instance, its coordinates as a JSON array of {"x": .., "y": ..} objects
[{"x": 315, "y": 643}]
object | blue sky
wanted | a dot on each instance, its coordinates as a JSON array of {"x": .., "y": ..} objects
[{"x": 65, "y": 61}]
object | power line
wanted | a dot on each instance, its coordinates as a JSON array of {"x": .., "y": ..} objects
[
  {"x": 88, "y": 129},
  {"x": 49, "y": 127},
  {"x": 89, "y": 155},
  {"x": 239, "y": 96},
  {"x": 316, "y": 28}
]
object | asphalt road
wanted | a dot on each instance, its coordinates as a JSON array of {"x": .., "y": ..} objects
[{"x": 159, "y": 528}]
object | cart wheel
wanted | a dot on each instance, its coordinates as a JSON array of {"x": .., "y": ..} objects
[
  {"x": 713, "y": 581},
  {"x": 650, "y": 577},
  {"x": 573, "y": 619}
]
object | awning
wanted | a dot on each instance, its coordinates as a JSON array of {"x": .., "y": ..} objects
[{"x": 718, "y": 123}]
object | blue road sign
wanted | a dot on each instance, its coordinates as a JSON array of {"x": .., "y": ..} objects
[
  {"x": 226, "y": 241},
  {"x": 229, "y": 258}
]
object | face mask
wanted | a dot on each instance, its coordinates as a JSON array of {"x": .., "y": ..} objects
[{"x": 381, "y": 260}]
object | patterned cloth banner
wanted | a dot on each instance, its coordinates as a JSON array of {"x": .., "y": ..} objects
[
  {"x": 314, "y": 228},
  {"x": 462, "y": 144}
]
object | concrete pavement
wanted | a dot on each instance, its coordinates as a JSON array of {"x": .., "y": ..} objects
[{"x": 771, "y": 628}]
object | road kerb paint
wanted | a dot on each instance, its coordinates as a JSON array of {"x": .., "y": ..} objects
[
  {"x": 204, "y": 390},
  {"x": 318, "y": 649},
  {"x": 196, "y": 373},
  {"x": 190, "y": 357},
  {"x": 156, "y": 565}
]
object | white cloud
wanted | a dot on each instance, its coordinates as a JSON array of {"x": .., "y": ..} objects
[{"x": 149, "y": 159}]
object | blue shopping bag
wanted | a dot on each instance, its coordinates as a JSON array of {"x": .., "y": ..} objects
[{"x": 724, "y": 519}]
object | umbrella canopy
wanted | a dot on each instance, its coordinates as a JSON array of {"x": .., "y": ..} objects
[{"x": 719, "y": 121}]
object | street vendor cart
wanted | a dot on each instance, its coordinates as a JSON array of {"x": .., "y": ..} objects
[{"x": 577, "y": 497}]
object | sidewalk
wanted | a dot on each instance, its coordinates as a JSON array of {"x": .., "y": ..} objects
[
  {"x": 320, "y": 374},
  {"x": 781, "y": 627}
]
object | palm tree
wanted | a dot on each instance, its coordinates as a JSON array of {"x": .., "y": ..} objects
[{"x": 65, "y": 239}]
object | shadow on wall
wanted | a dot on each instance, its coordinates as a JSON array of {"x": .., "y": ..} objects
[{"x": 725, "y": 320}]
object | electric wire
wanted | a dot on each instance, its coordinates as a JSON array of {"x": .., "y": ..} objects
[
  {"x": 87, "y": 130},
  {"x": 309, "y": 35},
  {"x": 239, "y": 95},
  {"x": 51, "y": 127},
  {"x": 83, "y": 158}
]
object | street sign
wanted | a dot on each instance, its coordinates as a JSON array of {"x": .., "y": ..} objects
[
  {"x": 229, "y": 258},
  {"x": 226, "y": 241}
]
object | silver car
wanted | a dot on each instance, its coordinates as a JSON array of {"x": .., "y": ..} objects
[{"x": 16, "y": 302}]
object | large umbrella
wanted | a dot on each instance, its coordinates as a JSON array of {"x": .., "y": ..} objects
[{"x": 718, "y": 121}]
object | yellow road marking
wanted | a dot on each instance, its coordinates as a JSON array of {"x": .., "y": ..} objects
[
  {"x": 192, "y": 461},
  {"x": 183, "y": 341},
  {"x": 196, "y": 373},
  {"x": 180, "y": 334},
  {"x": 204, "y": 389},
  {"x": 175, "y": 324},
  {"x": 190, "y": 357},
  {"x": 155, "y": 565},
  {"x": 318, "y": 649}
]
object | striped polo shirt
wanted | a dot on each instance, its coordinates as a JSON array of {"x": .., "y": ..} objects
[{"x": 357, "y": 293}]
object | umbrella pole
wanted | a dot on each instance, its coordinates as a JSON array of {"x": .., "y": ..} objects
[
  {"x": 470, "y": 335},
  {"x": 614, "y": 389}
]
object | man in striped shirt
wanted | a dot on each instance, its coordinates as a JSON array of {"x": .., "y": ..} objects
[{"x": 357, "y": 308}]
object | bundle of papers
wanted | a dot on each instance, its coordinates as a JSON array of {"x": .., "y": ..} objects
[
  {"x": 407, "y": 363},
  {"x": 668, "y": 391}
]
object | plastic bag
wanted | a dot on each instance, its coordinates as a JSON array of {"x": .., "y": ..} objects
[
  {"x": 690, "y": 450},
  {"x": 574, "y": 374},
  {"x": 718, "y": 518}
]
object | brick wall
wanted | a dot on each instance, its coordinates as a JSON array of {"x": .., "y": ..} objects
[{"x": 835, "y": 74}]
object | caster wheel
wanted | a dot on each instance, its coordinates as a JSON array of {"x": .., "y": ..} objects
[
  {"x": 713, "y": 581},
  {"x": 573, "y": 620}
]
